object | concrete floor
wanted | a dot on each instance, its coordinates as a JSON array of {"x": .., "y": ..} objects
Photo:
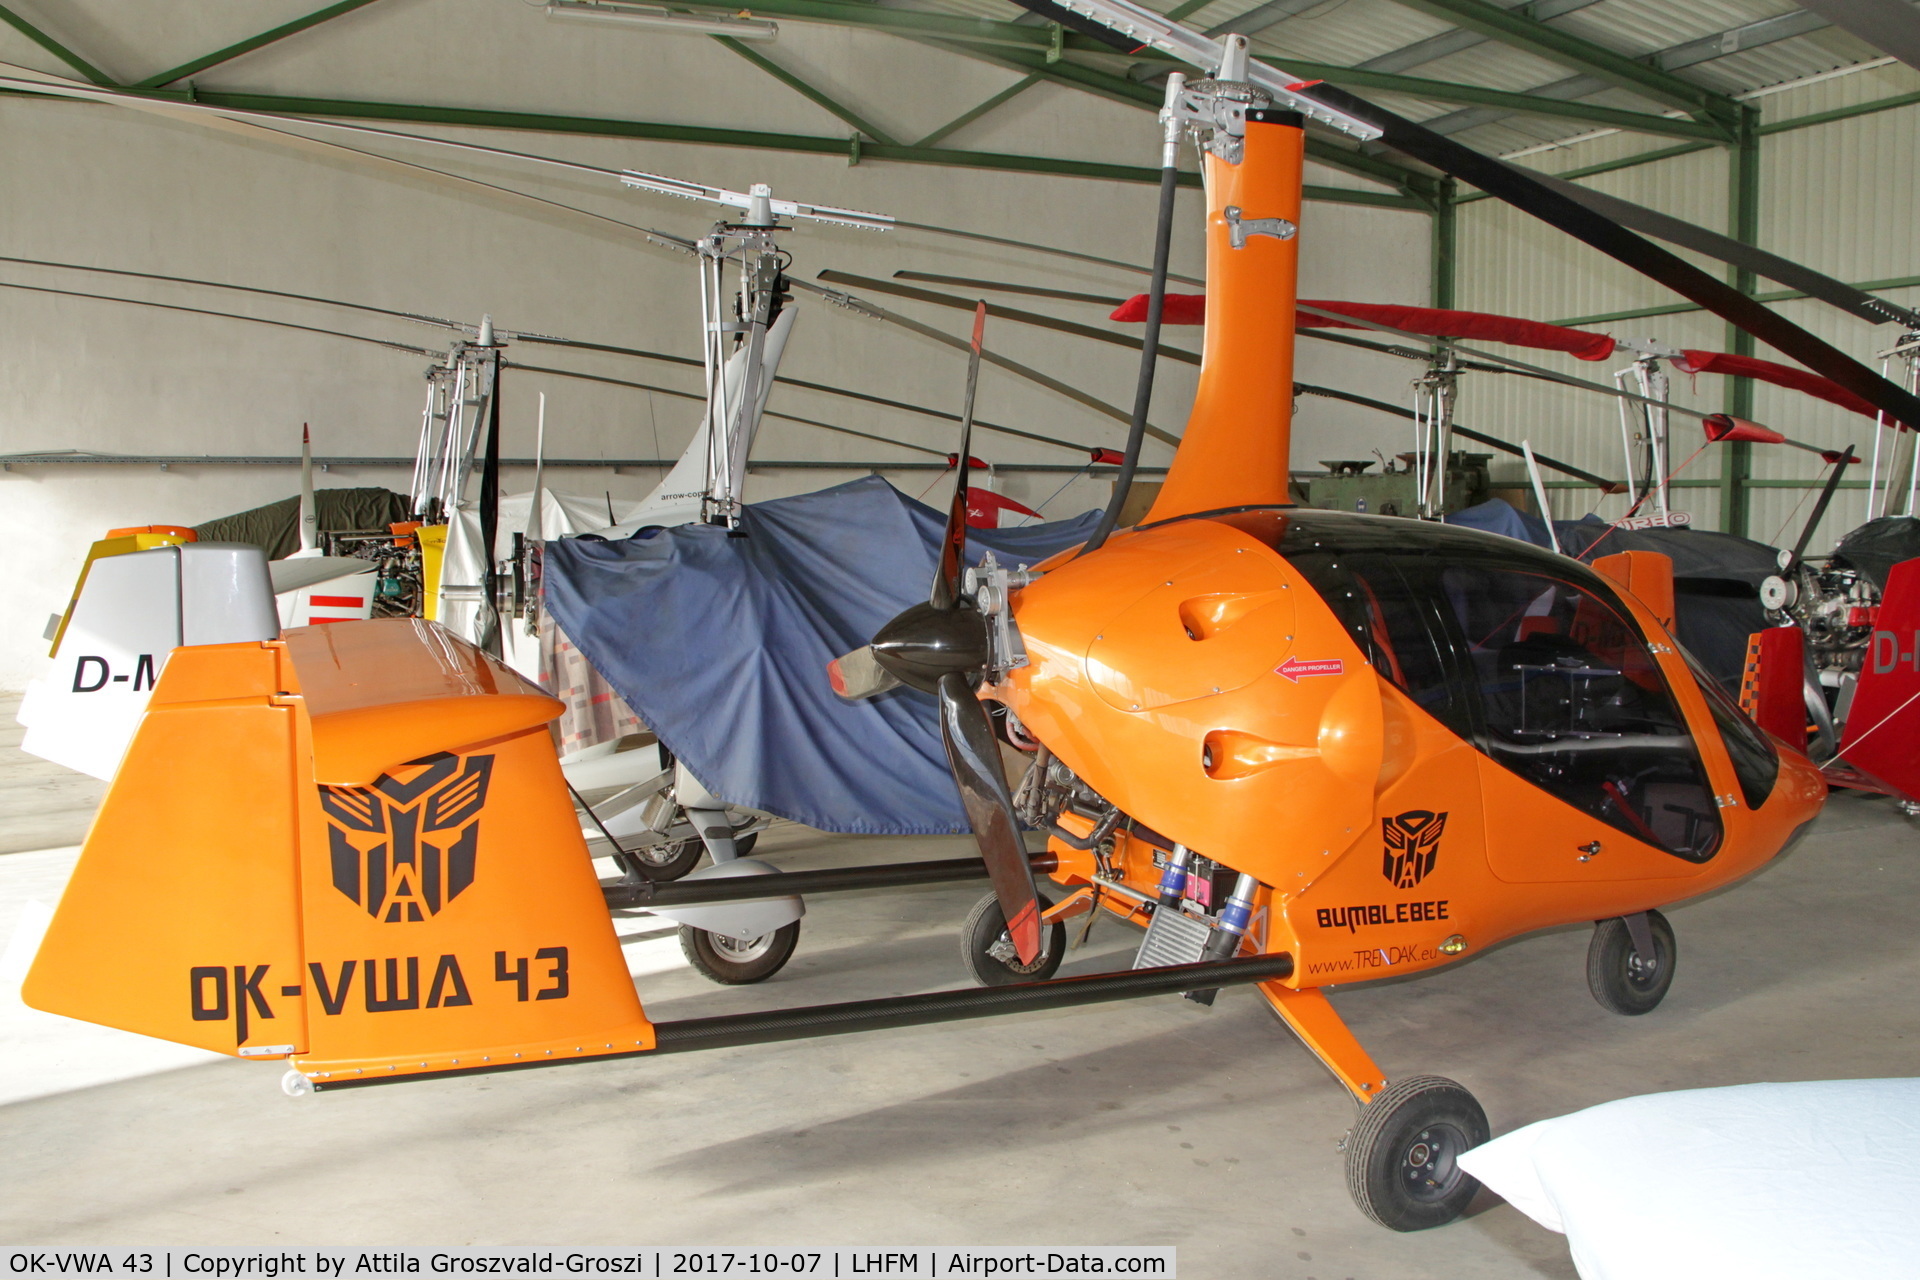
[
  {"x": 42, "y": 805},
  {"x": 1154, "y": 1122}
]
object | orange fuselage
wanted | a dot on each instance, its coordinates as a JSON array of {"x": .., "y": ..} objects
[{"x": 1198, "y": 680}]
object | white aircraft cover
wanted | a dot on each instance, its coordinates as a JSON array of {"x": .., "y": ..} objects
[{"x": 1759, "y": 1181}]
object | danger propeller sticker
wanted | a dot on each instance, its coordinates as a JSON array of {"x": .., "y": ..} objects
[{"x": 1294, "y": 668}]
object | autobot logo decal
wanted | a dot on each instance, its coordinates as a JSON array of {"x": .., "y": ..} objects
[
  {"x": 1412, "y": 842},
  {"x": 404, "y": 847}
]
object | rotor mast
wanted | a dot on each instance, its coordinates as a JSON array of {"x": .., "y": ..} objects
[{"x": 1235, "y": 451}]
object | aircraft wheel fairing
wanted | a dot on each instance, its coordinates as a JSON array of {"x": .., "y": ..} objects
[
  {"x": 1620, "y": 979},
  {"x": 988, "y": 951},
  {"x": 1403, "y": 1156},
  {"x": 736, "y": 963}
]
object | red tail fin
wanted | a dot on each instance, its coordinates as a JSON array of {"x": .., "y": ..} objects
[
  {"x": 1773, "y": 686},
  {"x": 1882, "y": 734}
]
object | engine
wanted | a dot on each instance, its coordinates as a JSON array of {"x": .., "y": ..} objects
[{"x": 1833, "y": 605}]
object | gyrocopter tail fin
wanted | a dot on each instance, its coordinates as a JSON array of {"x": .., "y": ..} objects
[
  {"x": 1881, "y": 735},
  {"x": 1773, "y": 684},
  {"x": 353, "y": 847}
]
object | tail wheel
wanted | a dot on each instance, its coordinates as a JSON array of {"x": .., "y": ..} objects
[
  {"x": 735, "y": 963},
  {"x": 674, "y": 859},
  {"x": 988, "y": 952},
  {"x": 1403, "y": 1157},
  {"x": 662, "y": 861},
  {"x": 1623, "y": 980}
]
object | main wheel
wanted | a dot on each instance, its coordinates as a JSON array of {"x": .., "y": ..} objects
[
  {"x": 1621, "y": 979},
  {"x": 665, "y": 861},
  {"x": 988, "y": 952},
  {"x": 1403, "y": 1157},
  {"x": 734, "y": 963}
]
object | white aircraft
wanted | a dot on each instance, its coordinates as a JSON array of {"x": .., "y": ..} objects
[
  {"x": 309, "y": 586},
  {"x": 662, "y": 818},
  {"x": 144, "y": 592}
]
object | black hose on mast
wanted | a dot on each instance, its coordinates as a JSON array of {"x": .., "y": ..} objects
[{"x": 1156, "y": 301}]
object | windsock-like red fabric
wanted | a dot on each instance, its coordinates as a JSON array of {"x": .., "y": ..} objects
[{"x": 1779, "y": 375}]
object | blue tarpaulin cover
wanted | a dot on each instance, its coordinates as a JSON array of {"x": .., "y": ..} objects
[
  {"x": 721, "y": 645},
  {"x": 1497, "y": 515}
]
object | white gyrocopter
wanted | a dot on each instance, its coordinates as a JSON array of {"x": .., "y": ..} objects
[
  {"x": 112, "y": 642},
  {"x": 661, "y": 818}
]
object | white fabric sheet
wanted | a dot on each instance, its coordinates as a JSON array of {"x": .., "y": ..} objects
[{"x": 1759, "y": 1181}]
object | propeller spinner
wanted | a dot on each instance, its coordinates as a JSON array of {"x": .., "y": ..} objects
[{"x": 938, "y": 648}]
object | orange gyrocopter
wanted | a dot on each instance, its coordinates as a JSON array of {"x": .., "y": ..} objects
[{"x": 1302, "y": 748}]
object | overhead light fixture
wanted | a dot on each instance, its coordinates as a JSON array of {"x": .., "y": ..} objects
[{"x": 645, "y": 15}]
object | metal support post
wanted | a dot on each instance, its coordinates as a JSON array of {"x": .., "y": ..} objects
[
  {"x": 1743, "y": 224},
  {"x": 1445, "y": 240}
]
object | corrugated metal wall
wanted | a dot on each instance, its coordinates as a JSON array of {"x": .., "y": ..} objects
[{"x": 1842, "y": 197}]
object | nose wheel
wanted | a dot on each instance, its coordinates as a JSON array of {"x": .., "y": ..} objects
[
  {"x": 1622, "y": 977},
  {"x": 989, "y": 953},
  {"x": 1403, "y": 1156}
]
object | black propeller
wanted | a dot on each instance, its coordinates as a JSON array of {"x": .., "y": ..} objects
[{"x": 937, "y": 648}]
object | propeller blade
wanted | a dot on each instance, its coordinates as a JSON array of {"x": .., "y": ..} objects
[
  {"x": 858, "y": 675},
  {"x": 953, "y": 543},
  {"x": 974, "y": 755}
]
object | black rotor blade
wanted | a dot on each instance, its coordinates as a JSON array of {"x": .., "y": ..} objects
[
  {"x": 1525, "y": 192},
  {"x": 1090, "y": 27},
  {"x": 953, "y": 542},
  {"x": 974, "y": 755},
  {"x": 1835, "y": 293}
]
